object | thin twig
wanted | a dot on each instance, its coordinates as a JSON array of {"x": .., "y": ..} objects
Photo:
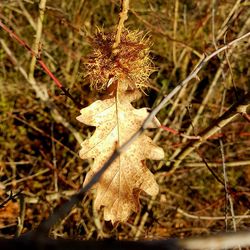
[
  {"x": 217, "y": 164},
  {"x": 198, "y": 217},
  {"x": 176, "y": 15},
  {"x": 228, "y": 197},
  {"x": 37, "y": 42},
  {"x": 27, "y": 15},
  {"x": 41, "y": 62},
  {"x": 230, "y": 115},
  {"x": 27, "y": 177},
  {"x": 29, "y": 124},
  {"x": 55, "y": 113},
  {"x": 21, "y": 217},
  {"x": 212, "y": 171},
  {"x": 230, "y": 19}
]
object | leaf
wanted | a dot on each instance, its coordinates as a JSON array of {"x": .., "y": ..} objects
[{"x": 116, "y": 120}]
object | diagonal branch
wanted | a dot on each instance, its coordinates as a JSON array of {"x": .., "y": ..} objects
[{"x": 35, "y": 55}]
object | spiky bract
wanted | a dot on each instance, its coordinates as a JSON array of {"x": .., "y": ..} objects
[{"x": 130, "y": 62}]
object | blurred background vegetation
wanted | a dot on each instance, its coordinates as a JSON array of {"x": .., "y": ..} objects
[{"x": 39, "y": 135}]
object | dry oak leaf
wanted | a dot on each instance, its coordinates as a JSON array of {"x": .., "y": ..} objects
[{"x": 116, "y": 120}]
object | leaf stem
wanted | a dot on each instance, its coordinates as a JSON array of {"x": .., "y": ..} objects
[{"x": 123, "y": 17}]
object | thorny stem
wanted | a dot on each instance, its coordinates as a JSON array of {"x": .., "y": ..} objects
[
  {"x": 41, "y": 62},
  {"x": 123, "y": 17},
  {"x": 64, "y": 209}
]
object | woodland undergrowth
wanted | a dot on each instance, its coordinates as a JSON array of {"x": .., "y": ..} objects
[{"x": 40, "y": 136}]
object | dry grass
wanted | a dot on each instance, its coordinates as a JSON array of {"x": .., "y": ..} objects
[{"x": 39, "y": 150}]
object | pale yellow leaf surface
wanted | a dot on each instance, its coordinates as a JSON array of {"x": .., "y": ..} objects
[{"x": 116, "y": 120}]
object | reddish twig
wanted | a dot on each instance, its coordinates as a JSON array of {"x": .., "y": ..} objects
[
  {"x": 175, "y": 132},
  {"x": 41, "y": 62},
  {"x": 197, "y": 137}
]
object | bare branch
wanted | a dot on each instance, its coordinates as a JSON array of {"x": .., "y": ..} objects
[
  {"x": 211, "y": 218},
  {"x": 41, "y": 62}
]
